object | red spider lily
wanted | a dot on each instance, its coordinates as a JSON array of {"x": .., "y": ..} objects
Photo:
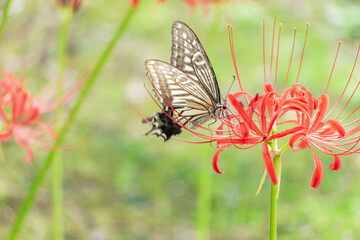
[
  {"x": 134, "y": 3},
  {"x": 74, "y": 4},
  {"x": 20, "y": 113},
  {"x": 190, "y": 3},
  {"x": 311, "y": 126},
  {"x": 293, "y": 114}
]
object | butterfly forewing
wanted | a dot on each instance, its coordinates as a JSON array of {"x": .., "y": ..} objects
[{"x": 188, "y": 55}]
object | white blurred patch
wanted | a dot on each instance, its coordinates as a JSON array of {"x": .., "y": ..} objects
[{"x": 135, "y": 91}]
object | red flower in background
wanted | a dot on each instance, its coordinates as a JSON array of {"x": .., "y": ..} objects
[
  {"x": 74, "y": 4},
  {"x": 190, "y": 3},
  {"x": 21, "y": 113}
]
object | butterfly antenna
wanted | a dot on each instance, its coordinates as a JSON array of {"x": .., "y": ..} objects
[{"x": 232, "y": 83}]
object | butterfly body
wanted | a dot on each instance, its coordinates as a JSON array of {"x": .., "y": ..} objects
[{"x": 187, "y": 85}]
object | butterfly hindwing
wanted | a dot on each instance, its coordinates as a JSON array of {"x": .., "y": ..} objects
[{"x": 186, "y": 95}]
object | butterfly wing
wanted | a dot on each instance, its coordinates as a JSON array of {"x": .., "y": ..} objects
[
  {"x": 188, "y": 55},
  {"x": 186, "y": 95}
]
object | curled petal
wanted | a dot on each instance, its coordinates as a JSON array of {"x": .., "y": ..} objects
[
  {"x": 216, "y": 158},
  {"x": 318, "y": 171},
  {"x": 320, "y": 114},
  {"x": 337, "y": 127},
  {"x": 317, "y": 174},
  {"x": 294, "y": 138},
  {"x": 302, "y": 144},
  {"x": 336, "y": 165},
  {"x": 315, "y": 101},
  {"x": 269, "y": 164}
]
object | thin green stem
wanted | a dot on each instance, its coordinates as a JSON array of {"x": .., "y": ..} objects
[
  {"x": 273, "y": 201},
  {"x": 57, "y": 197},
  {"x": 283, "y": 148},
  {"x": 4, "y": 17},
  {"x": 66, "y": 15},
  {"x": 205, "y": 194},
  {"x": 68, "y": 122}
]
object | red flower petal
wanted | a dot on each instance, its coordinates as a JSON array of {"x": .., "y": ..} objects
[
  {"x": 216, "y": 158},
  {"x": 269, "y": 164},
  {"x": 134, "y": 3},
  {"x": 318, "y": 171},
  {"x": 286, "y": 132},
  {"x": 320, "y": 114},
  {"x": 268, "y": 88},
  {"x": 219, "y": 129},
  {"x": 294, "y": 138},
  {"x": 336, "y": 165},
  {"x": 337, "y": 127},
  {"x": 234, "y": 102}
]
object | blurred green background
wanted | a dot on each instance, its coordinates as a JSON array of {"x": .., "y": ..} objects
[{"x": 119, "y": 184}]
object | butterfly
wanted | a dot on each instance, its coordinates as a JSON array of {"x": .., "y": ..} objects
[{"x": 187, "y": 87}]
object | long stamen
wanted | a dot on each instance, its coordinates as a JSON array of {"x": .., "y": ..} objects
[
  {"x": 264, "y": 49},
  {"x": 291, "y": 55},
  {"x": 347, "y": 102},
  {"x": 342, "y": 94},
  {"x": 277, "y": 57},
  {"x": 333, "y": 67},
  {"x": 272, "y": 51},
  {"x": 231, "y": 40},
  {"x": 302, "y": 54}
]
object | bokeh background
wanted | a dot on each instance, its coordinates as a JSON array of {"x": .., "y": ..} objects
[{"x": 119, "y": 184}]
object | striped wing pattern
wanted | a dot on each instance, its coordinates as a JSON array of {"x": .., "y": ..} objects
[
  {"x": 185, "y": 94},
  {"x": 188, "y": 84},
  {"x": 188, "y": 55}
]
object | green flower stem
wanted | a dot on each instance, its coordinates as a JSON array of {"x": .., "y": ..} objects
[
  {"x": 57, "y": 200},
  {"x": 4, "y": 17},
  {"x": 68, "y": 122},
  {"x": 283, "y": 148},
  {"x": 66, "y": 16},
  {"x": 205, "y": 194},
  {"x": 273, "y": 201}
]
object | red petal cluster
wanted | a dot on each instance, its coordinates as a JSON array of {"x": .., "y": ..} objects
[{"x": 20, "y": 114}]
